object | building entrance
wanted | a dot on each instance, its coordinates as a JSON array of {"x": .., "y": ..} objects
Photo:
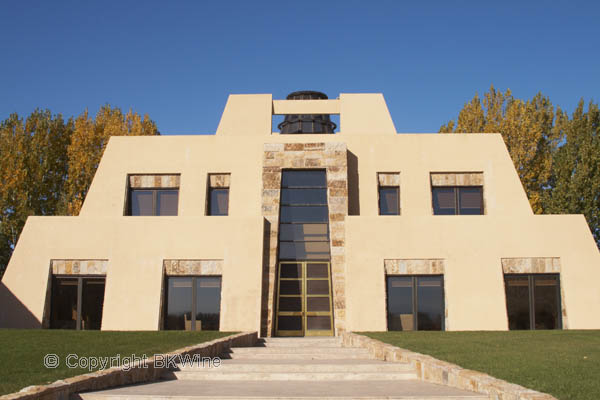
[{"x": 304, "y": 299}]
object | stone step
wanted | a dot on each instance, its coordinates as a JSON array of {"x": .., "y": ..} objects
[
  {"x": 290, "y": 376},
  {"x": 298, "y": 350},
  {"x": 277, "y": 366},
  {"x": 296, "y": 356},
  {"x": 288, "y": 390},
  {"x": 299, "y": 342}
]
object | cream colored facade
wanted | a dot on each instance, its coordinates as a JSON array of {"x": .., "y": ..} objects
[{"x": 473, "y": 252}]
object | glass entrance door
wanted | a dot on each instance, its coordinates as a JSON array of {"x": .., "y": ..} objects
[{"x": 304, "y": 301}]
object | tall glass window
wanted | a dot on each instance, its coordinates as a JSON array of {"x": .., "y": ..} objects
[
  {"x": 218, "y": 201},
  {"x": 304, "y": 218},
  {"x": 415, "y": 303},
  {"x": 193, "y": 303},
  {"x": 77, "y": 302},
  {"x": 533, "y": 301}
]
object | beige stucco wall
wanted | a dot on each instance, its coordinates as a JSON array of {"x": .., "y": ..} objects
[{"x": 472, "y": 246}]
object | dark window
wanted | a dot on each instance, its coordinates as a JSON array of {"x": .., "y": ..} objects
[
  {"x": 389, "y": 200},
  {"x": 153, "y": 201},
  {"x": 77, "y": 302},
  {"x": 415, "y": 303},
  {"x": 533, "y": 301},
  {"x": 193, "y": 303},
  {"x": 457, "y": 200},
  {"x": 218, "y": 201},
  {"x": 304, "y": 217}
]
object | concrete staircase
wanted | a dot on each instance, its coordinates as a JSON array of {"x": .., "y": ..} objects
[{"x": 290, "y": 368}]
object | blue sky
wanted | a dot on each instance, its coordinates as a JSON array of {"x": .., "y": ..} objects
[{"x": 178, "y": 60}]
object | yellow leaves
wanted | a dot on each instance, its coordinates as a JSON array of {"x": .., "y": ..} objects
[
  {"x": 527, "y": 129},
  {"x": 90, "y": 137}
]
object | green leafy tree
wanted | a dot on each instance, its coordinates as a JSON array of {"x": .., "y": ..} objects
[{"x": 575, "y": 179}]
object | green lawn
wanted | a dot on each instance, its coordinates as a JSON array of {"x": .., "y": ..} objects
[
  {"x": 22, "y": 351},
  {"x": 565, "y": 364}
]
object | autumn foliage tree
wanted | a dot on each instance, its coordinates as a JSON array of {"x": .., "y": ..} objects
[
  {"x": 47, "y": 164},
  {"x": 556, "y": 157}
]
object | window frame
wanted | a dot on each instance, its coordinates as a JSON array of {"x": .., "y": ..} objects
[
  {"x": 456, "y": 190},
  {"x": 397, "y": 189},
  {"x": 79, "y": 306},
  {"x": 155, "y": 192},
  {"x": 531, "y": 277},
  {"x": 209, "y": 201},
  {"x": 415, "y": 300},
  {"x": 193, "y": 300}
]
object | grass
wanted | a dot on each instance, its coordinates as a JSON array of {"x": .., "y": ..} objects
[
  {"x": 22, "y": 351},
  {"x": 565, "y": 364}
]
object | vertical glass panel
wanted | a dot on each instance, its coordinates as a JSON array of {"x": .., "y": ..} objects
[
  {"x": 141, "y": 202},
  {"x": 470, "y": 200},
  {"x": 303, "y": 178},
  {"x": 389, "y": 201},
  {"x": 317, "y": 304},
  {"x": 289, "y": 323},
  {"x": 167, "y": 202},
  {"x": 320, "y": 323},
  {"x": 179, "y": 303},
  {"x": 290, "y": 287},
  {"x": 400, "y": 303},
  {"x": 92, "y": 303},
  {"x": 291, "y": 270},
  {"x": 320, "y": 286},
  {"x": 303, "y": 232},
  {"x": 219, "y": 201},
  {"x": 208, "y": 303},
  {"x": 303, "y": 196},
  {"x": 290, "y": 304},
  {"x": 64, "y": 303},
  {"x": 317, "y": 270},
  {"x": 304, "y": 214},
  {"x": 547, "y": 302},
  {"x": 443, "y": 200},
  {"x": 430, "y": 302},
  {"x": 307, "y": 127},
  {"x": 517, "y": 301}
]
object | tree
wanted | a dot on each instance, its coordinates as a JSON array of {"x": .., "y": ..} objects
[
  {"x": 33, "y": 169},
  {"x": 575, "y": 179},
  {"x": 89, "y": 140},
  {"x": 527, "y": 129}
]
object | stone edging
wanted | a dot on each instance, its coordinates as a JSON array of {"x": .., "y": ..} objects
[
  {"x": 118, "y": 376},
  {"x": 432, "y": 370}
]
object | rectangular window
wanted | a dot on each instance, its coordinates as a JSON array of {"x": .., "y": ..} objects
[
  {"x": 193, "y": 303},
  {"x": 533, "y": 301},
  {"x": 389, "y": 193},
  {"x": 76, "y": 302},
  {"x": 457, "y": 200},
  {"x": 145, "y": 202},
  {"x": 217, "y": 200},
  {"x": 415, "y": 303}
]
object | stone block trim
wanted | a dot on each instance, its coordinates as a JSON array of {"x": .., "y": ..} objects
[
  {"x": 457, "y": 179},
  {"x": 334, "y": 159},
  {"x": 432, "y": 370},
  {"x": 79, "y": 267},
  {"x": 193, "y": 267},
  {"x": 538, "y": 265},
  {"x": 144, "y": 372},
  {"x": 414, "y": 267},
  {"x": 154, "y": 181},
  {"x": 418, "y": 267},
  {"x": 219, "y": 180},
  {"x": 388, "y": 178}
]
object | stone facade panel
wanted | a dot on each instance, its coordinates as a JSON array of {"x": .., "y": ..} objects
[
  {"x": 193, "y": 267},
  {"x": 457, "y": 179},
  {"x": 79, "y": 267},
  {"x": 152, "y": 181}
]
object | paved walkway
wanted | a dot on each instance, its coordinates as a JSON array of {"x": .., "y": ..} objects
[{"x": 291, "y": 368}]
